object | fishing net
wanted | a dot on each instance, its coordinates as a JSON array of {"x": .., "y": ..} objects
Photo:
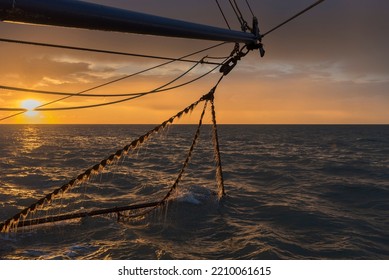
[{"x": 89, "y": 194}]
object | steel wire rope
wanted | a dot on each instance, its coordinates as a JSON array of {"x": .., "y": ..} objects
[
  {"x": 249, "y": 6},
  {"x": 236, "y": 13},
  {"x": 122, "y": 100},
  {"x": 158, "y": 89},
  {"x": 293, "y": 17},
  {"x": 218, "y": 57},
  {"x": 245, "y": 25},
  {"x": 125, "y": 99},
  {"x": 99, "y": 51},
  {"x": 224, "y": 16},
  {"x": 22, "y": 110}
]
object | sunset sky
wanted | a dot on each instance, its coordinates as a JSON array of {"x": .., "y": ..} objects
[{"x": 330, "y": 66}]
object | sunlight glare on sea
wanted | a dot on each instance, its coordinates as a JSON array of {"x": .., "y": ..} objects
[{"x": 293, "y": 192}]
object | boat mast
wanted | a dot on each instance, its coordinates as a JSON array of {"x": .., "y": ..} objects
[{"x": 79, "y": 14}]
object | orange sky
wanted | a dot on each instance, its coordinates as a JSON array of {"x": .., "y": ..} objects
[{"x": 328, "y": 66}]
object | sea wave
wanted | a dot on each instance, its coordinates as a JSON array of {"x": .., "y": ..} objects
[{"x": 293, "y": 192}]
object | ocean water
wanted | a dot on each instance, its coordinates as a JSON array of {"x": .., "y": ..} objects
[{"x": 293, "y": 192}]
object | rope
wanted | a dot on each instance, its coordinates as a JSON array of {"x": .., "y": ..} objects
[
  {"x": 224, "y": 16},
  {"x": 189, "y": 156},
  {"x": 219, "y": 171},
  {"x": 5, "y": 40},
  {"x": 96, "y": 169},
  {"x": 158, "y": 89},
  {"x": 219, "y": 174},
  {"x": 249, "y": 6},
  {"x": 245, "y": 25},
  {"x": 293, "y": 17},
  {"x": 182, "y": 171},
  {"x": 236, "y": 14},
  {"x": 133, "y": 95},
  {"x": 117, "y": 80},
  {"x": 123, "y": 78},
  {"x": 122, "y": 100},
  {"x": 14, "y": 109}
]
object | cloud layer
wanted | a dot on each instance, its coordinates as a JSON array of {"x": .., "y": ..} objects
[{"x": 328, "y": 66}]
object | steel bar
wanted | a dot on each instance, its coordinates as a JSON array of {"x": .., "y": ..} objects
[{"x": 91, "y": 213}]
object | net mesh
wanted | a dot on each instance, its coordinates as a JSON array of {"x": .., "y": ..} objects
[{"x": 143, "y": 187}]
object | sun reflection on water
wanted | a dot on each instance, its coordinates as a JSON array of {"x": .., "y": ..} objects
[{"x": 30, "y": 138}]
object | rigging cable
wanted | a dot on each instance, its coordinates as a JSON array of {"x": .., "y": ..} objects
[
  {"x": 245, "y": 26},
  {"x": 249, "y": 6},
  {"x": 224, "y": 16},
  {"x": 236, "y": 14},
  {"x": 117, "y": 80},
  {"x": 158, "y": 89},
  {"x": 4, "y": 40},
  {"x": 293, "y": 17},
  {"x": 122, "y": 100},
  {"x": 133, "y": 95},
  {"x": 268, "y": 32}
]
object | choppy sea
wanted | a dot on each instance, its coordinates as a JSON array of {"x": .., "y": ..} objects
[{"x": 293, "y": 192}]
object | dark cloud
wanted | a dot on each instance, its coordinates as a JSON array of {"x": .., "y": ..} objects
[{"x": 342, "y": 31}]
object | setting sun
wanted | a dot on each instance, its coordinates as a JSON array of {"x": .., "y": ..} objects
[{"x": 30, "y": 105}]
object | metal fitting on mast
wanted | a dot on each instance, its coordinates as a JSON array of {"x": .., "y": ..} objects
[
  {"x": 233, "y": 61},
  {"x": 257, "y": 34}
]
